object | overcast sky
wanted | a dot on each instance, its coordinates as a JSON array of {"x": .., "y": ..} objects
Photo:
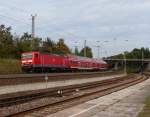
[{"x": 76, "y": 20}]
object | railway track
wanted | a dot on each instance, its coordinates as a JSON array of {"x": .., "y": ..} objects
[
  {"x": 62, "y": 97},
  {"x": 35, "y": 78},
  {"x": 8, "y": 100}
]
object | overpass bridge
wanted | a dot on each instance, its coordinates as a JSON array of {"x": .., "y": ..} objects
[
  {"x": 145, "y": 63},
  {"x": 129, "y": 60}
]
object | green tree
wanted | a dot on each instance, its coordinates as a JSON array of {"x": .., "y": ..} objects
[
  {"x": 88, "y": 52},
  {"x": 7, "y": 48},
  {"x": 36, "y": 43},
  {"x": 76, "y": 52},
  {"x": 146, "y": 53},
  {"x": 134, "y": 54},
  {"x": 48, "y": 46},
  {"x": 62, "y": 48},
  {"x": 24, "y": 44}
]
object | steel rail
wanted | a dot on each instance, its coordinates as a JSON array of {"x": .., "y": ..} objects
[
  {"x": 101, "y": 91},
  {"x": 7, "y": 101}
]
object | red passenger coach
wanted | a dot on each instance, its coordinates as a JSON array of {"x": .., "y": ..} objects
[{"x": 36, "y": 61}]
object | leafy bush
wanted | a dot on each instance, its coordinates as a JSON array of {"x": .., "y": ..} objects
[{"x": 9, "y": 66}]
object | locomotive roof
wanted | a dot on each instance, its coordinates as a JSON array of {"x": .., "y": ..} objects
[
  {"x": 45, "y": 53},
  {"x": 72, "y": 57}
]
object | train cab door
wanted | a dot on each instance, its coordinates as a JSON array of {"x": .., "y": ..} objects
[{"x": 36, "y": 58}]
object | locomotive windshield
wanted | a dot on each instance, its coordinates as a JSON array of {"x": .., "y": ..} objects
[{"x": 26, "y": 55}]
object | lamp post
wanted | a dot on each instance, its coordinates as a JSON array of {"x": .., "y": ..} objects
[
  {"x": 142, "y": 59},
  {"x": 76, "y": 47},
  {"x": 115, "y": 44},
  {"x": 98, "y": 46},
  {"x": 125, "y": 61},
  {"x": 85, "y": 48},
  {"x": 106, "y": 48},
  {"x": 98, "y": 49}
]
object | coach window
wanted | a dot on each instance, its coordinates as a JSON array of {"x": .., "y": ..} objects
[{"x": 75, "y": 62}]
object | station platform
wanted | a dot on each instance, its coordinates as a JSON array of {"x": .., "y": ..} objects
[
  {"x": 124, "y": 103},
  {"x": 51, "y": 84}
]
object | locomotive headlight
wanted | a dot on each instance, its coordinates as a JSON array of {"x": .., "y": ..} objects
[
  {"x": 24, "y": 61},
  {"x": 30, "y": 61}
]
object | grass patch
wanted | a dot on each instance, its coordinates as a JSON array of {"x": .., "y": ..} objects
[
  {"x": 146, "y": 110},
  {"x": 9, "y": 66},
  {"x": 131, "y": 69}
]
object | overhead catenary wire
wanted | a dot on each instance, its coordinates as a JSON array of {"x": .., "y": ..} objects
[
  {"x": 13, "y": 7},
  {"x": 14, "y": 19},
  {"x": 60, "y": 32}
]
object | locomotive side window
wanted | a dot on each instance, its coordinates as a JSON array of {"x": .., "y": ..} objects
[
  {"x": 26, "y": 55},
  {"x": 36, "y": 55}
]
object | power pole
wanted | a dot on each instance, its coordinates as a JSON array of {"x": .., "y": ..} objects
[
  {"x": 33, "y": 30},
  {"x": 85, "y": 48},
  {"x": 33, "y": 25}
]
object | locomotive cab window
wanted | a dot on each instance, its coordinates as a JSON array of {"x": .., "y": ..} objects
[{"x": 26, "y": 55}]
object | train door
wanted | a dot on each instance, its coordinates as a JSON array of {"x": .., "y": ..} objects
[{"x": 36, "y": 58}]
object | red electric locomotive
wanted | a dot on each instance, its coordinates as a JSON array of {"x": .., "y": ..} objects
[{"x": 36, "y": 61}]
